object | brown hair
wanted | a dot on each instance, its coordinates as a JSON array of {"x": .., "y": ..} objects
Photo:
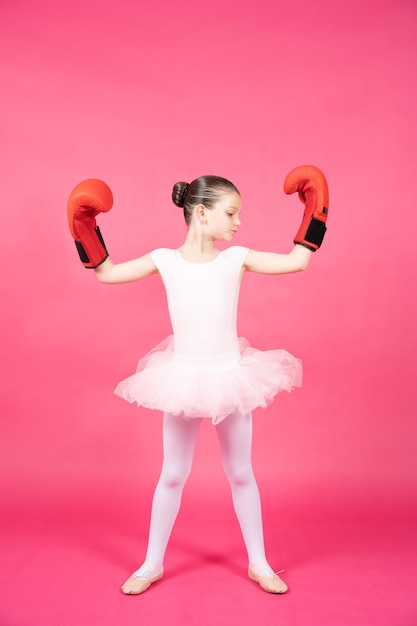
[{"x": 203, "y": 190}]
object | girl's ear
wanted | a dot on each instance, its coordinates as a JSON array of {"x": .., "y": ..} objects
[{"x": 200, "y": 211}]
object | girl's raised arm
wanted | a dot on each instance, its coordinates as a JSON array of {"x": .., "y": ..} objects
[
  {"x": 86, "y": 200},
  {"x": 311, "y": 185},
  {"x": 273, "y": 263},
  {"x": 109, "y": 272}
]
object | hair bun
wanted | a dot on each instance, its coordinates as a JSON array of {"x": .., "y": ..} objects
[{"x": 179, "y": 193}]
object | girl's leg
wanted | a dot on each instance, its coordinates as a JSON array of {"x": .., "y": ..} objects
[
  {"x": 235, "y": 438},
  {"x": 179, "y": 439}
]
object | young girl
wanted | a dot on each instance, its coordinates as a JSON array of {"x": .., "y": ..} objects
[{"x": 204, "y": 370}]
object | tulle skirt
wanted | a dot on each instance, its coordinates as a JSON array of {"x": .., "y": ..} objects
[{"x": 212, "y": 386}]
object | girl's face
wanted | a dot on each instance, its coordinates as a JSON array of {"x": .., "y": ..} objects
[{"x": 222, "y": 221}]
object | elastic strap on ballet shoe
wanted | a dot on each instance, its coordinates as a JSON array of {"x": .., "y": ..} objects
[{"x": 149, "y": 570}]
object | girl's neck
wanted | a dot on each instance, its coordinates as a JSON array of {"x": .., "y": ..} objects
[{"x": 197, "y": 247}]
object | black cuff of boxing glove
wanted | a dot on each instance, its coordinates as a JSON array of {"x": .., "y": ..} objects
[
  {"x": 100, "y": 236},
  {"x": 100, "y": 253},
  {"x": 305, "y": 245},
  {"x": 315, "y": 233},
  {"x": 93, "y": 267},
  {"x": 85, "y": 260},
  {"x": 81, "y": 252}
]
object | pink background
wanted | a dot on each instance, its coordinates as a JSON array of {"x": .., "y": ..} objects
[{"x": 142, "y": 94}]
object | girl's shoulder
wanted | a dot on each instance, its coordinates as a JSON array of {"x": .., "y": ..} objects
[
  {"x": 163, "y": 254},
  {"x": 163, "y": 251},
  {"x": 235, "y": 253},
  {"x": 163, "y": 258}
]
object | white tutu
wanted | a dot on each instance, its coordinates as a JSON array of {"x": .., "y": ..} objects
[{"x": 212, "y": 386}]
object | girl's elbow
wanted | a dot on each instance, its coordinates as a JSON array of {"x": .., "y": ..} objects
[
  {"x": 303, "y": 257},
  {"x": 104, "y": 272},
  {"x": 300, "y": 266},
  {"x": 102, "y": 277}
]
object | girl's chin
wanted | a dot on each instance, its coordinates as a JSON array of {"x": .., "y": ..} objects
[{"x": 226, "y": 236}]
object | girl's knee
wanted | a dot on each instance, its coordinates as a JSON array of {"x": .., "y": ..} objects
[
  {"x": 173, "y": 477},
  {"x": 239, "y": 476}
]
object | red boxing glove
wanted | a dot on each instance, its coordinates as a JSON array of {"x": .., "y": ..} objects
[
  {"x": 86, "y": 200},
  {"x": 311, "y": 185}
]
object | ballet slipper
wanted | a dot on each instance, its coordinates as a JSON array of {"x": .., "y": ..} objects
[
  {"x": 138, "y": 584},
  {"x": 271, "y": 584}
]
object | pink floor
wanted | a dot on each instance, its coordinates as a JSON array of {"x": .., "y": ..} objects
[{"x": 63, "y": 564}]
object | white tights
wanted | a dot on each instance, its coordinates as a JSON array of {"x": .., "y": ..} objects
[{"x": 179, "y": 439}]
